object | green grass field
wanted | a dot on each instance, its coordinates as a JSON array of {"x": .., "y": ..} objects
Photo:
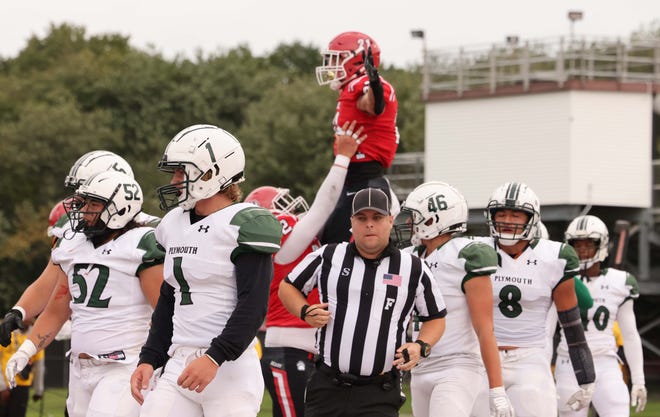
[{"x": 54, "y": 398}]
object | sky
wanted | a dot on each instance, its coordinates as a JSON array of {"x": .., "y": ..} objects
[{"x": 185, "y": 27}]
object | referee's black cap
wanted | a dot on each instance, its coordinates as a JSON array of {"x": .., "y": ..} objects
[{"x": 371, "y": 199}]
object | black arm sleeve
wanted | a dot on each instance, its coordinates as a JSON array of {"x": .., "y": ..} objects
[
  {"x": 154, "y": 351},
  {"x": 254, "y": 272},
  {"x": 379, "y": 99},
  {"x": 578, "y": 350},
  {"x": 374, "y": 82}
]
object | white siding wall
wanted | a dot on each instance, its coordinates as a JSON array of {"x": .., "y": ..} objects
[
  {"x": 613, "y": 130},
  {"x": 544, "y": 141}
]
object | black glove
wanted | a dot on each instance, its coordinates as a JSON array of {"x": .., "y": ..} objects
[
  {"x": 36, "y": 397},
  {"x": 372, "y": 72},
  {"x": 374, "y": 81},
  {"x": 25, "y": 373},
  {"x": 12, "y": 321}
]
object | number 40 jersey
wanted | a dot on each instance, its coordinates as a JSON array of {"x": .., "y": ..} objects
[{"x": 522, "y": 290}]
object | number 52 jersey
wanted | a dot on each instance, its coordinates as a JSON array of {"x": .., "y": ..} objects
[
  {"x": 522, "y": 290},
  {"x": 106, "y": 295}
]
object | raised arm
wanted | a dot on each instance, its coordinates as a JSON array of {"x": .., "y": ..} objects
[{"x": 309, "y": 226}]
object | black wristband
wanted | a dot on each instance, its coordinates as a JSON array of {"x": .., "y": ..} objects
[{"x": 303, "y": 312}]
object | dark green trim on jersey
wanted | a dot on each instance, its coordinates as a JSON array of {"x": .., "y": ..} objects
[
  {"x": 259, "y": 231},
  {"x": 154, "y": 252},
  {"x": 56, "y": 243},
  {"x": 153, "y": 222},
  {"x": 572, "y": 267},
  {"x": 480, "y": 260},
  {"x": 632, "y": 286},
  {"x": 584, "y": 298},
  {"x": 62, "y": 221}
]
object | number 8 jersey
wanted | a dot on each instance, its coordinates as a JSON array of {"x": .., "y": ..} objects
[{"x": 522, "y": 290}]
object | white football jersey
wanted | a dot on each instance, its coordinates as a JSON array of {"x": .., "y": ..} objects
[
  {"x": 199, "y": 265},
  {"x": 609, "y": 291},
  {"x": 453, "y": 264},
  {"x": 109, "y": 311},
  {"x": 522, "y": 290}
]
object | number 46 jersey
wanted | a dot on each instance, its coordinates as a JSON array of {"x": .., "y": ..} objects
[
  {"x": 522, "y": 290},
  {"x": 106, "y": 296}
]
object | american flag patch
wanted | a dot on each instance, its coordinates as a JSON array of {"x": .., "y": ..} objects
[{"x": 392, "y": 279}]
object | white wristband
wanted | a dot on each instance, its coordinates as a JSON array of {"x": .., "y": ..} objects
[
  {"x": 28, "y": 348},
  {"x": 498, "y": 390},
  {"x": 212, "y": 360},
  {"x": 342, "y": 160},
  {"x": 21, "y": 309}
]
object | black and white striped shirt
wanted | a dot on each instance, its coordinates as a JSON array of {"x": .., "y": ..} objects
[{"x": 370, "y": 302}]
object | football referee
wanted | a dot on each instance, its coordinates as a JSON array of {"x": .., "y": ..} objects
[{"x": 367, "y": 290}]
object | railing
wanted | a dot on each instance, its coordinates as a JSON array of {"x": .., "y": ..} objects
[
  {"x": 553, "y": 60},
  {"x": 406, "y": 173}
]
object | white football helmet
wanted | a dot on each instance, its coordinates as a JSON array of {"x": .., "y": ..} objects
[
  {"x": 513, "y": 196},
  {"x": 541, "y": 232},
  {"x": 277, "y": 200},
  {"x": 120, "y": 195},
  {"x": 433, "y": 208},
  {"x": 211, "y": 158},
  {"x": 589, "y": 227},
  {"x": 94, "y": 162}
]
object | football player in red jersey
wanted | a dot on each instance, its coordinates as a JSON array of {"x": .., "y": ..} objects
[
  {"x": 290, "y": 344},
  {"x": 350, "y": 66}
]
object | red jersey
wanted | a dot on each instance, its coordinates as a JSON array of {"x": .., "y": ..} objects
[
  {"x": 277, "y": 314},
  {"x": 383, "y": 136}
]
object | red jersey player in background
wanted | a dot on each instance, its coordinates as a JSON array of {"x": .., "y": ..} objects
[
  {"x": 350, "y": 66},
  {"x": 290, "y": 343}
]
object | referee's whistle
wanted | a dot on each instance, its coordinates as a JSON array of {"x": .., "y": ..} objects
[{"x": 406, "y": 355}]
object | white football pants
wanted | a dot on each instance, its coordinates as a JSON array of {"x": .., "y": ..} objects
[
  {"x": 236, "y": 391},
  {"x": 610, "y": 398},
  {"x": 100, "y": 389}
]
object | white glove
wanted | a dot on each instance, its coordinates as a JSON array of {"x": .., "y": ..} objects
[
  {"x": 581, "y": 398},
  {"x": 19, "y": 360},
  {"x": 500, "y": 406},
  {"x": 638, "y": 396}
]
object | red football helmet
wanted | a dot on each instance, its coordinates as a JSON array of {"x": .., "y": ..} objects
[
  {"x": 278, "y": 200},
  {"x": 55, "y": 213},
  {"x": 343, "y": 58}
]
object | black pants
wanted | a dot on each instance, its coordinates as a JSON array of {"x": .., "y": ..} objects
[
  {"x": 338, "y": 227},
  {"x": 286, "y": 371},
  {"x": 330, "y": 397},
  {"x": 17, "y": 404}
]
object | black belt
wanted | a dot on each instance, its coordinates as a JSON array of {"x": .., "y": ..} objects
[{"x": 348, "y": 380}]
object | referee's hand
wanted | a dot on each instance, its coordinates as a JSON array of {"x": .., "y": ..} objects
[
  {"x": 317, "y": 315},
  {"x": 414, "y": 354}
]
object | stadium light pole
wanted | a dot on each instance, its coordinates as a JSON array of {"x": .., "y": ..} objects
[
  {"x": 426, "y": 77},
  {"x": 574, "y": 16}
]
